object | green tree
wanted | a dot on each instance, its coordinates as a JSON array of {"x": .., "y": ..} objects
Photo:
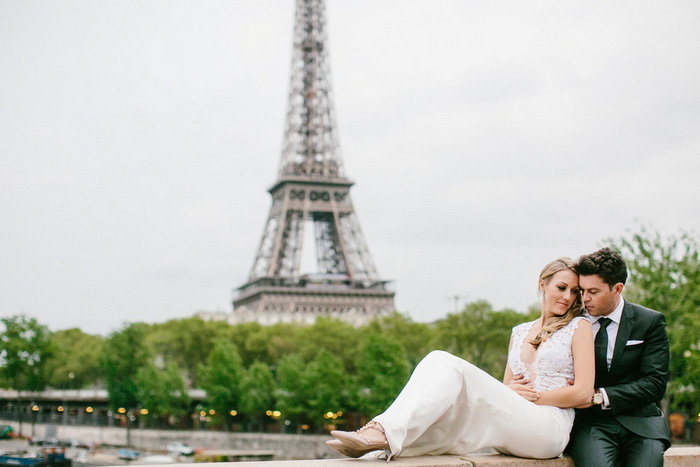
[
  {"x": 479, "y": 335},
  {"x": 292, "y": 389},
  {"x": 124, "y": 353},
  {"x": 414, "y": 338},
  {"x": 382, "y": 371},
  {"x": 251, "y": 340},
  {"x": 664, "y": 274},
  {"x": 221, "y": 378},
  {"x": 328, "y": 387},
  {"x": 495, "y": 338},
  {"x": 257, "y": 395},
  {"x": 74, "y": 363},
  {"x": 186, "y": 342},
  {"x": 24, "y": 350},
  {"x": 337, "y": 338},
  {"x": 162, "y": 393},
  {"x": 283, "y": 339}
]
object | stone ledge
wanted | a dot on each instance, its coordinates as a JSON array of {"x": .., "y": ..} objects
[{"x": 682, "y": 456}]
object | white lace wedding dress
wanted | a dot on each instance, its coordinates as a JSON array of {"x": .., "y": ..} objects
[{"x": 450, "y": 406}]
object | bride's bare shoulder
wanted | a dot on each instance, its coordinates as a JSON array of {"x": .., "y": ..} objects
[
  {"x": 582, "y": 323},
  {"x": 583, "y": 327}
]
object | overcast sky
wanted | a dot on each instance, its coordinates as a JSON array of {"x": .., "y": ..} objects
[{"x": 138, "y": 139}]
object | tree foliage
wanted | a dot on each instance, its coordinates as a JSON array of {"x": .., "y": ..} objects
[
  {"x": 124, "y": 353},
  {"x": 252, "y": 342},
  {"x": 328, "y": 386},
  {"x": 479, "y": 334},
  {"x": 257, "y": 395},
  {"x": 292, "y": 388},
  {"x": 221, "y": 378},
  {"x": 337, "y": 338},
  {"x": 24, "y": 351},
  {"x": 382, "y": 371},
  {"x": 664, "y": 275},
  {"x": 414, "y": 338},
  {"x": 74, "y": 363},
  {"x": 185, "y": 342},
  {"x": 162, "y": 392}
]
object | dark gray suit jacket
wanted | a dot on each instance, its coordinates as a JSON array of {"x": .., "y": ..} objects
[{"x": 636, "y": 381}]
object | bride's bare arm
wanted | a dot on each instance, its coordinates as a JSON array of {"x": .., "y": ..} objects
[
  {"x": 579, "y": 394},
  {"x": 509, "y": 373}
]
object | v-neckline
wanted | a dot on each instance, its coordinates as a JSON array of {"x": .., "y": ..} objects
[{"x": 525, "y": 338}]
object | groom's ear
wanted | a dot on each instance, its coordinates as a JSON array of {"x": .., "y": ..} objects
[{"x": 617, "y": 288}]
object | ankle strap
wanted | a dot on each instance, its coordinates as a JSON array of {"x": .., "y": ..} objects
[{"x": 373, "y": 424}]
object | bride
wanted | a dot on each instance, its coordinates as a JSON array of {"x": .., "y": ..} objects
[{"x": 449, "y": 406}]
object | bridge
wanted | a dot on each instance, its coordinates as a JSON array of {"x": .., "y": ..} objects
[{"x": 81, "y": 407}]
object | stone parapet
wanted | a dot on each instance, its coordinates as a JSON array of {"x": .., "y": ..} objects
[
  {"x": 299, "y": 446},
  {"x": 675, "y": 457}
]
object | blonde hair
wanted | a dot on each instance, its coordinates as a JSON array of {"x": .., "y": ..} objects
[{"x": 555, "y": 323}]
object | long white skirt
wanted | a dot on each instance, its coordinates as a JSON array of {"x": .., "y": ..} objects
[{"x": 450, "y": 406}]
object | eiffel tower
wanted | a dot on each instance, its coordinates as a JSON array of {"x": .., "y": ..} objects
[{"x": 312, "y": 192}]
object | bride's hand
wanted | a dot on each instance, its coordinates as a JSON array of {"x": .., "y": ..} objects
[
  {"x": 526, "y": 392},
  {"x": 521, "y": 386},
  {"x": 519, "y": 379}
]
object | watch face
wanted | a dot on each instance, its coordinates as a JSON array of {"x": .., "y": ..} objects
[{"x": 597, "y": 398}]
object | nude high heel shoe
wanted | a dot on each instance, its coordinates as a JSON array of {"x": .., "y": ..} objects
[
  {"x": 343, "y": 449},
  {"x": 357, "y": 445}
]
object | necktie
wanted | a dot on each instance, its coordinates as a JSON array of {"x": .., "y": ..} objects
[{"x": 601, "y": 352}]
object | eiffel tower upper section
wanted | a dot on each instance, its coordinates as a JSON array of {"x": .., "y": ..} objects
[
  {"x": 312, "y": 190},
  {"x": 310, "y": 150}
]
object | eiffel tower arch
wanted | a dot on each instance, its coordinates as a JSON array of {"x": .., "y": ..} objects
[{"x": 312, "y": 197}]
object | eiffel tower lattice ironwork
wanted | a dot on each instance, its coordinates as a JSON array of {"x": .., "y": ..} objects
[{"x": 312, "y": 190}]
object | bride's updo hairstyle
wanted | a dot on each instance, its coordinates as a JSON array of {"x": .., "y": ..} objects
[{"x": 555, "y": 323}]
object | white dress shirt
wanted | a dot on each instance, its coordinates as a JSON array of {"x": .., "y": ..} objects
[{"x": 612, "y": 329}]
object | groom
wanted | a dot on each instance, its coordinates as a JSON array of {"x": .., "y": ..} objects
[{"x": 623, "y": 421}]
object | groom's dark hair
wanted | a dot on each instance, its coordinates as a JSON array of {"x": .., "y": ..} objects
[{"x": 606, "y": 263}]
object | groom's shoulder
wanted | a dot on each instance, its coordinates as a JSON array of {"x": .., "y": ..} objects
[{"x": 644, "y": 312}]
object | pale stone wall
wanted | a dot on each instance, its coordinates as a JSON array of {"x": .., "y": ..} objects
[{"x": 304, "y": 447}]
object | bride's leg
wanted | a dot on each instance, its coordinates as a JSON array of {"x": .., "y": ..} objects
[
  {"x": 451, "y": 406},
  {"x": 433, "y": 390}
]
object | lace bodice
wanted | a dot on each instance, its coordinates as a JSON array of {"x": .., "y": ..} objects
[{"x": 554, "y": 362}]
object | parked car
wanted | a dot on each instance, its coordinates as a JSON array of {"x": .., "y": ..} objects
[
  {"x": 69, "y": 443},
  {"x": 5, "y": 431},
  {"x": 176, "y": 448},
  {"x": 75, "y": 443},
  {"x": 81, "y": 457},
  {"x": 43, "y": 441},
  {"x": 127, "y": 454}
]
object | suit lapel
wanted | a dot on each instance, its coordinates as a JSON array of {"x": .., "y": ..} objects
[{"x": 623, "y": 333}]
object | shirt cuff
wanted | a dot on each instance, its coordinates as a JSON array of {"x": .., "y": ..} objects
[{"x": 606, "y": 401}]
